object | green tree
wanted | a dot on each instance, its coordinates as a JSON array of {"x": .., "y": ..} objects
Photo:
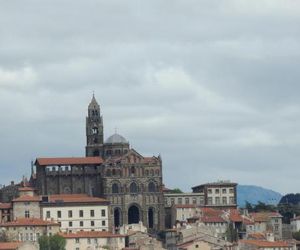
[
  {"x": 288, "y": 210},
  {"x": 55, "y": 242},
  {"x": 177, "y": 191},
  {"x": 263, "y": 207},
  {"x": 296, "y": 235},
  {"x": 231, "y": 233},
  {"x": 44, "y": 242},
  {"x": 249, "y": 207}
]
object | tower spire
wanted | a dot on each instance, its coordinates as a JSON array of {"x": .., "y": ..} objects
[{"x": 94, "y": 129}]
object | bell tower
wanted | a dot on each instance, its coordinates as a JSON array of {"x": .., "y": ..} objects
[{"x": 94, "y": 130}]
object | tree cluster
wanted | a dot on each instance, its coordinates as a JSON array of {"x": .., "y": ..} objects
[{"x": 55, "y": 242}]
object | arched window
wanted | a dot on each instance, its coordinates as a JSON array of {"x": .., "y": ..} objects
[
  {"x": 108, "y": 172},
  {"x": 147, "y": 172},
  {"x": 151, "y": 172},
  {"x": 95, "y": 130},
  {"x": 115, "y": 188},
  {"x": 157, "y": 172},
  {"x": 151, "y": 187},
  {"x": 113, "y": 172},
  {"x": 133, "y": 188},
  {"x": 132, "y": 170}
]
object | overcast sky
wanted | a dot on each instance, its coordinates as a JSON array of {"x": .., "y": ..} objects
[{"x": 213, "y": 86}]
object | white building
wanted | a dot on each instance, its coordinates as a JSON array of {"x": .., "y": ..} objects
[
  {"x": 295, "y": 222},
  {"x": 76, "y": 212}
]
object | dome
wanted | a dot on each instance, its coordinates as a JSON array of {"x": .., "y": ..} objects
[{"x": 116, "y": 138}]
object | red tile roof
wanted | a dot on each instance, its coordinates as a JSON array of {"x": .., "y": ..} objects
[
  {"x": 69, "y": 161},
  {"x": 78, "y": 198},
  {"x": 27, "y": 198},
  {"x": 264, "y": 216},
  {"x": 5, "y": 205},
  {"x": 261, "y": 243},
  {"x": 28, "y": 222},
  {"x": 211, "y": 211},
  {"x": 9, "y": 245},
  {"x": 247, "y": 221},
  {"x": 256, "y": 236},
  {"x": 212, "y": 219},
  {"x": 66, "y": 198},
  {"x": 91, "y": 234},
  {"x": 235, "y": 216}
]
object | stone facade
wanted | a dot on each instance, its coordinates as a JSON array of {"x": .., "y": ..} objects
[
  {"x": 26, "y": 208},
  {"x": 7, "y": 193},
  {"x": 111, "y": 169}
]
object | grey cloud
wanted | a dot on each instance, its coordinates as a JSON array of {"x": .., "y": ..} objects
[{"x": 212, "y": 86}]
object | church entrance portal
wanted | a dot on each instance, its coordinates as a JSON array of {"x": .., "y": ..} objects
[
  {"x": 117, "y": 217},
  {"x": 133, "y": 215}
]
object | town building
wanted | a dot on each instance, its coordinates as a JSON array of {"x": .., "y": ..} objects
[
  {"x": 76, "y": 212},
  {"x": 264, "y": 245},
  {"x": 93, "y": 240},
  {"x": 221, "y": 194},
  {"x": 18, "y": 246},
  {"x": 5, "y": 212},
  {"x": 29, "y": 229},
  {"x": 196, "y": 199},
  {"x": 111, "y": 169},
  {"x": 268, "y": 221},
  {"x": 195, "y": 236},
  {"x": 295, "y": 223}
]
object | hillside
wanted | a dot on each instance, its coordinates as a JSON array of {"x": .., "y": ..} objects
[{"x": 254, "y": 194}]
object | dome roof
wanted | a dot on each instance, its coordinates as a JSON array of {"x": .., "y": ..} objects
[{"x": 116, "y": 138}]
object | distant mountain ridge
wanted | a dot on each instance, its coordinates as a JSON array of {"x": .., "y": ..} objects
[{"x": 254, "y": 194}]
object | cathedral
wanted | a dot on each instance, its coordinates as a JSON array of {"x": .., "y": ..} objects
[{"x": 132, "y": 183}]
